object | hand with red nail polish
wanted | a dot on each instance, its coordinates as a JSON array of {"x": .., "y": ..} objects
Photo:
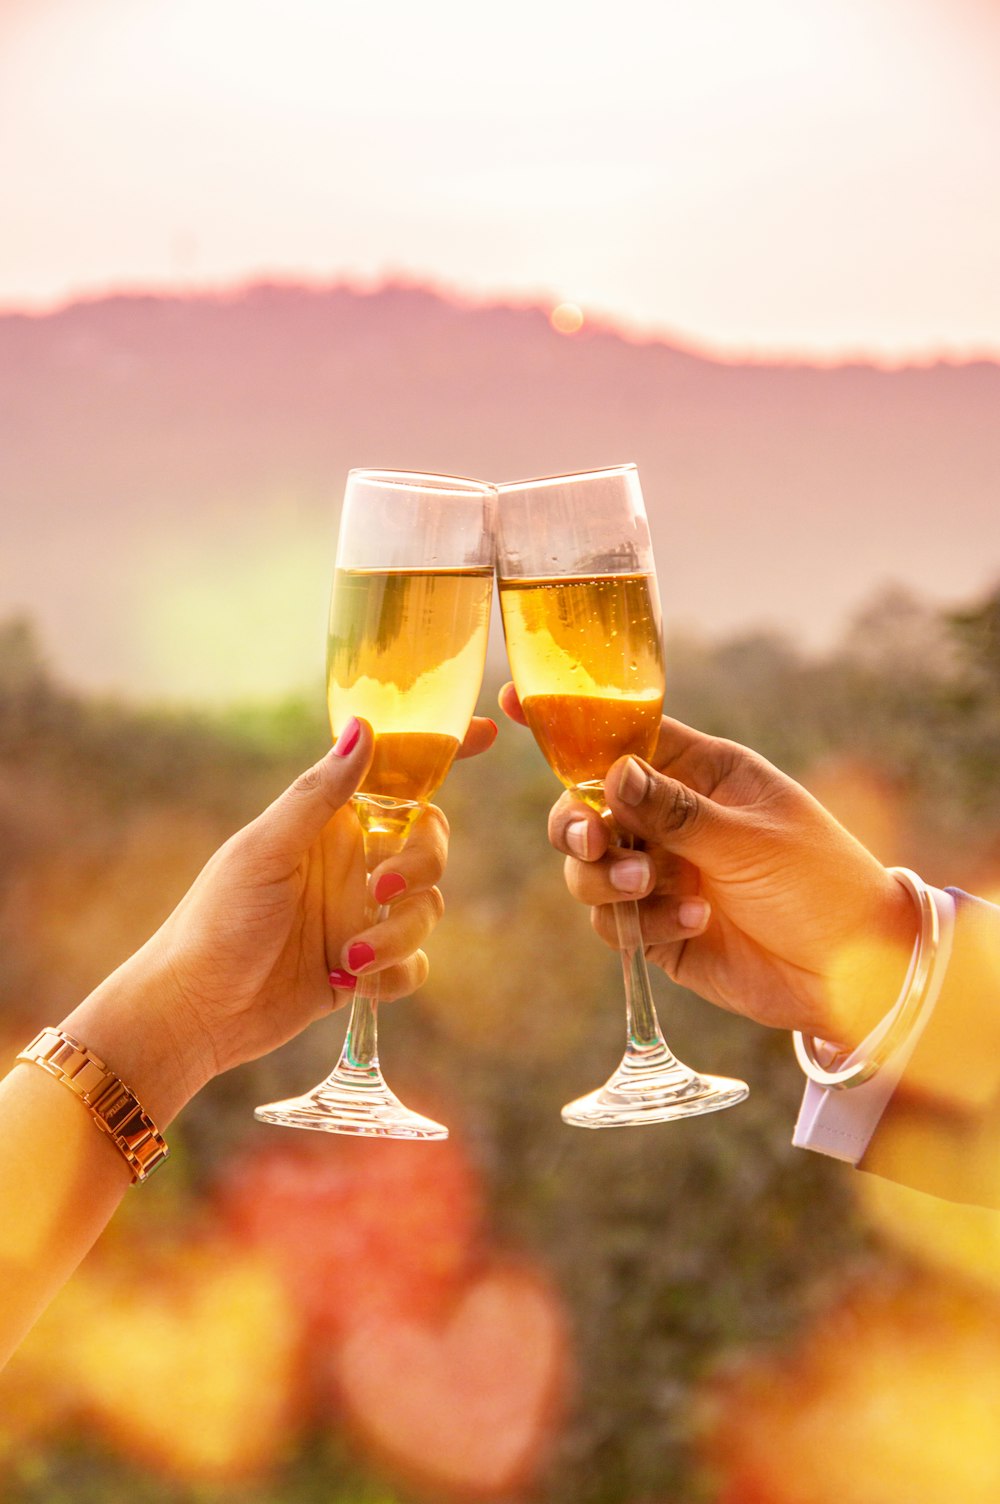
[{"x": 271, "y": 935}]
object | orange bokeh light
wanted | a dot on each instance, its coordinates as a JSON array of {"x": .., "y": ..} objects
[
  {"x": 566, "y": 318},
  {"x": 891, "y": 1398}
]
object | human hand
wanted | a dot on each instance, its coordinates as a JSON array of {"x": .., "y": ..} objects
[
  {"x": 750, "y": 892},
  {"x": 275, "y": 919}
]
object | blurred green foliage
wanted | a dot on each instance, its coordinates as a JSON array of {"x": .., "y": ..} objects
[{"x": 672, "y": 1248}]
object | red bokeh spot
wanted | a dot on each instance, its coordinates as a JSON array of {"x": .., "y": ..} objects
[
  {"x": 464, "y": 1406},
  {"x": 358, "y": 1227}
]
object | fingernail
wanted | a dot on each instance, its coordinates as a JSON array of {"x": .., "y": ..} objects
[
  {"x": 389, "y": 886},
  {"x": 360, "y": 955},
  {"x": 578, "y": 838},
  {"x": 632, "y": 783},
  {"x": 348, "y": 738},
  {"x": 629, "y": 876},
  {"x": 491, "y": 722},
  {"x": 693, "y": 914},
  {"x": 344, "y": 980}
]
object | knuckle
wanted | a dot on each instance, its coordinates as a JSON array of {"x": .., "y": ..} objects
[
  {"x": 437, "y": 820},
  {"x": 431, "y": 835},
  {"x": 419, "y": 970},
  {"x": 235, "y": 851},
  {"x": 675, "y": 806},
  {"x": 405, "y": 977},
  {"x": 435, "y": 903},
  {"x": 393, "y": 983},
  {"x": 603, "y": 924},
  {"x": 308, "y": 781},
  {"x": 559, "y": 818},
  {"x": 571, "y": 876}
]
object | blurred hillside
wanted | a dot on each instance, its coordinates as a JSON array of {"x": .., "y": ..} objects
[{"x": 171, "y": 469}]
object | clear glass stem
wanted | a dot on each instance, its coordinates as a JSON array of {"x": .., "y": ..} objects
[
  {"x": 360, "y": 1050},
  {"x": 650, "y": 1085},
  {"x": 642, "y": 1022},
  {"x": 384, "y": 827}
]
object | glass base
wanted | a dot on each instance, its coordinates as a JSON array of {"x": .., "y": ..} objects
[
  {"x": 361, "y": 1107},
  {"x": 653, "y": 1086}
]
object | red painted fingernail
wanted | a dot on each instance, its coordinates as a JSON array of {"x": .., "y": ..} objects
[
  {"x": 491, "y": 722},
  {"x": 348, "y": 738},
  {"x": 344, "y": 980},
  {"x": 389, "y": 886},
  {"x": 360, "y": 955}
]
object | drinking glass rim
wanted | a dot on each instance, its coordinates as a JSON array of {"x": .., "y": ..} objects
[
  {"x": 573, "y": 476},
  {"x": 420, "y": 480}
]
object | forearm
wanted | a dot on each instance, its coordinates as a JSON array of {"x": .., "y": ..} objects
[
  {"x": 60, "y": 1182},
  {"x": 61, "y": 1176}
]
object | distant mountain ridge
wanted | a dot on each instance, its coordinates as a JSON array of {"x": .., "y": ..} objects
[{"x": 171, "y": 468}]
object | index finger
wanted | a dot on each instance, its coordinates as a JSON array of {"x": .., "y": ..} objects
[
  {"x": 511, "y": 705},
  {"x": 421, "y": 862},
  {"x": 577, "y": 830}
]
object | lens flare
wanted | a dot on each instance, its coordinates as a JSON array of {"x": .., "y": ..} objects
[{"x": 567, "y": 318}]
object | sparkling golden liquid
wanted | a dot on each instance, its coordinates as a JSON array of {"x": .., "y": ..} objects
[
  {"x": 587, "y": 663},
  {"x": 406, "y": 652}
]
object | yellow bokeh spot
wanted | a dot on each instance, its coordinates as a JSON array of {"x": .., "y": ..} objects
[
  {"x": 566, "y": 318},
  {"x": 891, "y": 1398},
  {"x": 945, "y": 1236},
  {"x": 202, "y": 1379}
]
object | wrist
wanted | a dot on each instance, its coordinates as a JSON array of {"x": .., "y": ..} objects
[
  {"x": 139, "y": 1024},
  {"x": 874, "y": 966},
  {"x": 841, "y": 1121}
]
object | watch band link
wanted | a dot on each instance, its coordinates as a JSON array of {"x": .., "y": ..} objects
[{"x": 114, "y": 1108}]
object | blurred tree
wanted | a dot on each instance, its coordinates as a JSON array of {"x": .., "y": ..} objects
[{"x": 977, "y": 630}]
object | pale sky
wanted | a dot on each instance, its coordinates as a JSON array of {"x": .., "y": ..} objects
[{"x": 811, "y": 176}]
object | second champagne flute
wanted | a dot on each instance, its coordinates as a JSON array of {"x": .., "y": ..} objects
[
  {"x": 409, "y": 619},
  {"x": 581, "y": 617}
]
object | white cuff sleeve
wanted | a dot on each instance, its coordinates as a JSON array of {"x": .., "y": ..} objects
[{"x": 841, "y": 1122}]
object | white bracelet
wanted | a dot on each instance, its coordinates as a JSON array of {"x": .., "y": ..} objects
[
  {"x": 841, "y": 1123},
  {"x": 886, "y": 1038}
]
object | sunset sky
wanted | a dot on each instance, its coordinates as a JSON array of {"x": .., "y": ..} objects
[{"x": 817, "y": 176}]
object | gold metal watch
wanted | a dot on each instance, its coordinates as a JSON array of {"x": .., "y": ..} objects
[{"x": 114, "y": 1108}]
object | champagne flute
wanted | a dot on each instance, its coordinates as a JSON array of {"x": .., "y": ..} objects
[
  {"x": 409, "y": 620},
  {"x": 581, "y": 617}
]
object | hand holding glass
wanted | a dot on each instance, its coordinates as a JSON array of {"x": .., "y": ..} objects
[
  {"x": 409, "y": 619},
  {"x": 581, "y": 617}
]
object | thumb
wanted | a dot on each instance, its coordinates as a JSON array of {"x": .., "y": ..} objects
[
  {"x": 666, "y": 812},
  {"x": 299, "y": 815}
]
